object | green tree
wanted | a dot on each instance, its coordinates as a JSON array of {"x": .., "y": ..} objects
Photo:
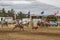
[
  {"x": 3, "y": 13},
  {"x": 10, "y": 13},
  {"x": 51, "y": 18},
  {"x": 21, "y": 15},
  {"x": 3, "y": 10}
]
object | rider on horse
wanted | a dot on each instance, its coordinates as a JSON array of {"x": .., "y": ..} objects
[{"x": 19, "y": 25}]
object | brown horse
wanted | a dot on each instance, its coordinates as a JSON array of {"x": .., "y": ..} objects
[
  {"x": 40, "y": 24},
  {"x": 19, "y": 26}
]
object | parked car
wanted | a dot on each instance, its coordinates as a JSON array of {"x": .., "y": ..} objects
[
  {"x": 58, "y": 23},
  {"x": 53, "y": 24}
]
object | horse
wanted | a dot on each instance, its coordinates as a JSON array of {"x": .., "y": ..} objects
[
  {"x": 26, "y": 24},
  {"x": 34, "y": 26},
  {"x": 40, "y": 24},
  {"x": 19, "y": 26}
]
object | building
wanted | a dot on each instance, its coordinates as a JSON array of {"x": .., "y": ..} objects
[
  {"x": 34, "y": 19},
  {"x": 8, "y": 19}
]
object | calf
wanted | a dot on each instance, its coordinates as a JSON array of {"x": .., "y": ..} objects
[{"x": 35, "y": 28}]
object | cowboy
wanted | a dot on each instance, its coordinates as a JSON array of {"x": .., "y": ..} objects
[{"x": 19, "y": 25}]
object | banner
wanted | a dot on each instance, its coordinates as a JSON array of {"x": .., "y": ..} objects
[{"x": 55, "y": 14}]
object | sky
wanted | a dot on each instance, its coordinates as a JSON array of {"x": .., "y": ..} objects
[
  {"x": 35, "y": 6},
  {"x": 50, "y": 2}
]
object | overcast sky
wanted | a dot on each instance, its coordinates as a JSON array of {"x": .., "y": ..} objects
[
  {"x": 50, "y": 2},
  {"x": 33, "y": 5}
]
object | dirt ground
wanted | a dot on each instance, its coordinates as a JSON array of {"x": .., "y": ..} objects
[{"x": 41, "y": 34}]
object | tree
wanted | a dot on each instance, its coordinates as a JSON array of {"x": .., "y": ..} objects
[
  {"x": 3, "y": 10},
  {"x": 51, "y": 18},
  {"x": 10, "y": 13},
  {"x": 3, "y": 13},
  {"x": 21, "y": 15},
  {"x": 12, "y": 10}
]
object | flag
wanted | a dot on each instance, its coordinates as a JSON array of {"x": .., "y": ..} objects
[
  {"x": 55, "y": 14},
  {"x": 14, "y": 16},
  {"x": 28, "y": 14},
  {"x": 42, "y": 12}
]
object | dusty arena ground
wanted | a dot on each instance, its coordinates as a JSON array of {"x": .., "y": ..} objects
[{"x": 41, "y": 34}]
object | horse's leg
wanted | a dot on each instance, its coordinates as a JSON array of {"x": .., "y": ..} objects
[
  {"x": 7, "y": 25},
  {"x": 27, "y": 25},
  {"x": 2, "y": 26},
  {"x": 47, "y": 25},
  {"x": 41, "y": 25},
  {"x": 14, "y": 27},
  {"x": 22, "y": 28}
]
